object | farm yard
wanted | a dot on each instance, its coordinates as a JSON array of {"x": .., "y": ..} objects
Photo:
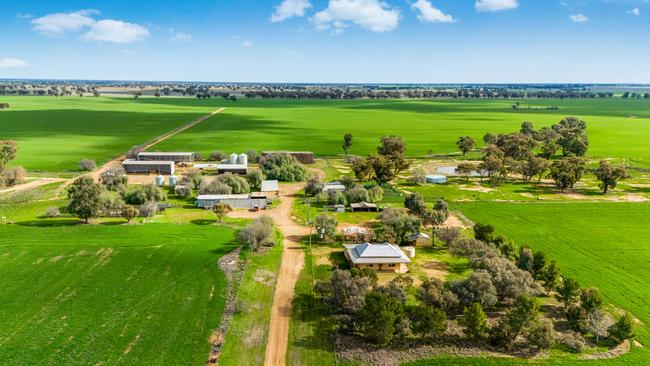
[{"x": 157, "y": 275}]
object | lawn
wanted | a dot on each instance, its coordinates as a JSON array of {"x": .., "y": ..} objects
[
  {"x": 105, "y": 294},
  {"x": 55, "y": 133},
  {"x": 604, "y": 245},
  {"x": 617, "y": 128}
]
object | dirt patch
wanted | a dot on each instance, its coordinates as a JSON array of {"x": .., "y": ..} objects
[
  {"x": 629, "y": 198},
  {"x": 265, "y": 277},
  {"x": 637, "y": 344},
  {"x": 476, "y": 189},
  {"x": 454, "y": 221},
  {"x": 435, "y": 269}
]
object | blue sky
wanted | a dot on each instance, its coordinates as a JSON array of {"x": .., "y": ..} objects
[{"x": 431, "y": 41}]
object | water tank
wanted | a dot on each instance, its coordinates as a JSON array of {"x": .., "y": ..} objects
[
  {"x": 173, "y": 180},
  {"x": 242, "y": 159},
  {"x": 233, "y": 158},
  {"x": 160, "y": 180}
]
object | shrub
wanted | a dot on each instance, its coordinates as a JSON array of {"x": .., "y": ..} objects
[
  {"x": 216, "y": 156},
  {"x": 623, "y": 328},
  {"x": 347, "y": 181},
  {"x": 509, "y": 281},
  {"x": 343, "y": 292},
  {"x": 237, "y": 183},
  {"x": 448, "y": 234},
  {"x": 183, "y": 191},
  {"x": 252, "y": 155},
  {"x": 357, "y": 194},
  {"x": 426, "y": 320},
  {"x": 541, "y": 336},
  {"x": 133, "y": 152},
  {"x": 215, "y": 187},
  {"x": 255, "y": 178},
  {"x": 87, "y": 164},
  {"x": 524, "y": 313},
  {"x": 197, "y": 156},
  {"x": 313, "y": 187},
  {"x": 13, "y": 176},
  {"x": 335, "y": 197},
  {"x": 112, "y": 204},
  {"x": 477, "y": 288},
  {"x": 258, "y": 233},
  {"x": 433, "y": 293},
  {"x": 282, "y": 167},
  {"x": 52, "y": 212},
  {"x": 326, "y": 226},
  {"x": 145, "y": 193},
  {"x": 148, "y": 209},
  {"x": 418, "y": 177},
  {"x": 193, "y": 179},
  {"x": 381, "y": 317},
  {"x": 468, "y": 247},
  {"x": 375, "y": 194},
  {"x": 475, "y": 321},
  {"x": 129, "y": 213},
  {"x": 113, "y": 178}
]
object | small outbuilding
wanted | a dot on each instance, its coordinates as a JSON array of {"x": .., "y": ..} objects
[
  {"x": 148, "y": 167},
  {"x": 436, "y": 179},
  {"x": 364, "y": 207},
  {"x": 177, "y": 157},
  {"x": 333, "y": 186},
  {"x": 420, "y": 239},
  {"x": 245, "y": 201},
  {"x": 270, "y": 187},
  {"x": 381, "y": 257}
]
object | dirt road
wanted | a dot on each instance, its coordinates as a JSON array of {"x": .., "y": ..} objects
[{"x": 5, "y": 193}]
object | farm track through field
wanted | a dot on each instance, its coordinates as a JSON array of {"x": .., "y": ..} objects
[{"x": 8, "y": 192}]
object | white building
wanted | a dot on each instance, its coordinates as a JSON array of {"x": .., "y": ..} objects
[
  {"x": 380, "y": 257},
  {"x": 245, "y": 201}
]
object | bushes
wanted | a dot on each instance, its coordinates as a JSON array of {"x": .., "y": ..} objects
[
  {"x": 87, "y": 165},
  {"x": 282, "y": 167},
  {"x": 375, "y": 194},
  {"x": 313, "y": 187},
  {"x": 343, "y": 292},
  {"x": 183, "y": 191},
  {"x": 214, "y": 187},
  {"x": 381, "y": 317},
  {"x": 255, "y": 178},
  {"x": 357, "y": 194},
  {"x": 145, "y": 193},
  {"x": 326, "y": 227},
  {"x": 216, "y": 156},
  {"x": 477, "y": 288},
  {"x": 133, "y": 152},
  {"x": 432, "y": 292},
  {"x": 129, "y": 213},
  {"x": 52, "y": 212},
  {"x": 12, "y": 176},
  {"x": 114, "y": 178},
  {"x": 258, "y": 233},
  {"x": 623, "y": 328},
  {"x": 237, "y": 183},
  {"x": 475, "y": 322}
]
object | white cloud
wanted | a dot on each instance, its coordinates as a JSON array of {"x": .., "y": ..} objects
[
  {"x": 374, "y": 15},
  {"x": 635, "y": 11},
  {"x": 116, "y": 31},
  {"x": 8, "y": 62},
  {"x": 578, "y": 18},
  {"x": 247, "y": 44},
  {"x": 431, "y": 14},
  {"x": 60, "y": 23},
  {"x": 495, "y": 5},
  {"x": 24, "y": 16},
  {"x": 181, "y": 37},
  {"x": 289, "y": 9}
]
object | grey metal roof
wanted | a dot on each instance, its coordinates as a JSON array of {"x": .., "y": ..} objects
[
  {"x": 270, "y": 186},
  {"x": 368, "y": 253},
  {"x": 155, "y": 153},
  {"x": 336, "y": 186},
  {"x": 214, "y": 197},
  {"x": 416, "y": 236},
  {"x": 221, "y": 166},
  {"x": 362, "y": 204},
  {"x": 147, "y": 162}
]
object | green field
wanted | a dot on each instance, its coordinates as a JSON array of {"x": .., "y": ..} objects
[
  {"x": 603, "y": 245},
  {"x": 105, "y": 294},
  {"x": 617, "y": 128},
  {"x": 55, "y": 133}
]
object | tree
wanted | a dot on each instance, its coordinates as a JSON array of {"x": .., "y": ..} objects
[
  {"x": 357, "y": 194},
  {"x": 375, "y": 194},
  {"x": 87, "y": 164},
  {"x": 568, "y": 292},
  {"x": 85, "y": 198},
  {"x": 282, "y": 167},
  {"x": 326, "y": 226},
  {"x": 477, "y": 288},
  {"x": 347, "y": 143},
  {"x": 114, "y": 178},
  {"x": 609, "y": 175},
  {"x": 129, "y": 213},
  {"x": 216, "y": 156},
  {"x": 258, "y": 233},
  {"x": 381, "y": 317},
  {"x": 313, "y": 187},
  {"x": 532, "y": 166},
  {"x": 238, "y": 184},
  {"x": 214, "y": 187},
  {"x": 538, "y": 265},
  {"x": 549, "y": 148},
  {"x": 551, "y": 277},
  {"x": 342, "y": 292},
  {"x": 623, "y": 328},
  {"x": 362, "y": 169},
  {"x": 489, "y": 138},
  {"x": 475, "y": 321},
  {"x": 596, "y": 323},
  {"x": 255, "y": 178},
  {"x": 465, "y": 144},
  {"x": 433, "y": 293},
  {"x": 418, "y": 176},
  {"x": 572, "y": 136},
  {"x": 524, "y": 313},
  {"x": 12, "y": 176},
  {"x": 8, "y": 150},
  {"x": 145, "y": 193},
  {"x": 466, "y": 170},
  {"x": 336, "y": 197},
  {"x": 383, "y": 169},
  {"x": 567, "y": 172},
  {"x": 221, "y": 209},
  {"x": 525, "y": 260},
  {"x": 527, "y": 129},
  {"x": 414, "y": 202},
  {"x": 393, "y": 148},
  {"x": 398, "y": 223},
  {"x": 427, "y": 321},
  {"x": 252, "y": 155},
  {"x": 590, "y": 299},
  {"x": 541, "y": 335},
  {"x": 484, "y": 232},
  {"x": 448, "y": 234}
]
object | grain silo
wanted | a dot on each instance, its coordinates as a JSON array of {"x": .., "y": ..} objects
[
  {"x": 233, "y": 158},
  {"x": 242, "y": 159},
  {"x": 173, "y": 180},
  {"x": 160, "y": 180}
]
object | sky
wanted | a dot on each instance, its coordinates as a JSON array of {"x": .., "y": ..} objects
[{"x": 335, "y": 41}]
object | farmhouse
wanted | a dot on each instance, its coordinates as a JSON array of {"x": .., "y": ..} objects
[
  {"x": 304, "y": 157},
  {"x": 270, "y": 187},
  {"x": 380, "y": 257},
  {"x": 246, "y": 201},
  {"x": 177, "y": 157},
  {"x": 148, "y": 167},
  {"x": 364, "y": 207}
]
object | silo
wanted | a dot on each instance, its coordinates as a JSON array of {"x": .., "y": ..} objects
[
  {"x": 243, "y": 159},
  {"x": 173, "y": 180},
  {"x": 233, "y": 158},
  {"x": 160, "y": 180}
]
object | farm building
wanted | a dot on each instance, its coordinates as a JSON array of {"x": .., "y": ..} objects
[
  {"x": 177, "y": 157},
  {"x": 270, "y": 187},
  {"x": 364, "y": 207},
  {"x": 333, "y": 186},
  {"x": 223, "y": 168},
  {"x": 247, "y": 201},
  {"x": 379, "y": 257},
  {"x": 148, "y": 167},
  {"x": 304, "y": 157},
  {"x": 436, "y": 179},
  {"x": 420, "y": 239}
]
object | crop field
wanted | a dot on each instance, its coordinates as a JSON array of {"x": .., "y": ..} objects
[
  {"x": 105, "y": 294},
  {"x": 55, "y": 133},
  {"x": 604, "y": 245},
  {"x": 617, "y": 128}
]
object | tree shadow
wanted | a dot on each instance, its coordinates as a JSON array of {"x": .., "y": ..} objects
[
  {"x": 50, "y": 222},
  {"x": 203, "y": 222}
]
